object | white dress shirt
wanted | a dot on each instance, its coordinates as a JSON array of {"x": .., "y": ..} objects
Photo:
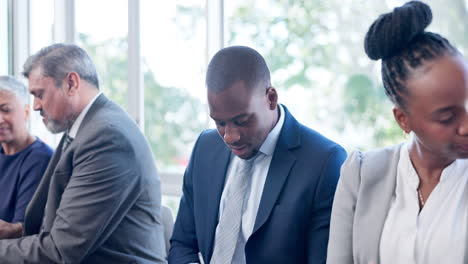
[
  {"x": 437, "y": 233},
  {"x": 259, "y": 175},
  {"x": 76, "y": 125}
]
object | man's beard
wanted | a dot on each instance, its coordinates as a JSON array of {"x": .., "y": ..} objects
[{"x": 55, "y": 126}]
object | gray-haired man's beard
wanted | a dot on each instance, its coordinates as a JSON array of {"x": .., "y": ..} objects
[{"x": 55, "y": 126}]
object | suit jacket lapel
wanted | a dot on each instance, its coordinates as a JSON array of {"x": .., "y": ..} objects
[
  {"x": 465, "y": 260},
  {"x": 216, "y": 179},
  {"x": 100, "y": 101},
  {"x": 278, "y": 172},
  {"x": 381, "y": 188},
  {"x": 35, "y": 209},
  {"x": 280, "y": 166}
]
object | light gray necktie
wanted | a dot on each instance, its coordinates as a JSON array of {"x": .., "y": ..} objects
[{"x": 228, "y": 229}]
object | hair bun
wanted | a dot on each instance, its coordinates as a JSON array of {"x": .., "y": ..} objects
[{"x": 391, "y": 32}]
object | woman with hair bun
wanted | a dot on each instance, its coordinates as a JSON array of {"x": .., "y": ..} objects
[{"x": 409, "y": 203}]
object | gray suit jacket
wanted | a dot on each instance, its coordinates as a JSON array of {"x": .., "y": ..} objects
[
  {"x": 98, "y": 202},
  {"x": 362, "y": 201}
]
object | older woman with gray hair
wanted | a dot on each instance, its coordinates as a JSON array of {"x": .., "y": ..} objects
[{"x": 23, "y": 157}]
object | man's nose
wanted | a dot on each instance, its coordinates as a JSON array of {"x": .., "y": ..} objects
[
  {"x": 36, "y": 105},
  {"x": 463, "y": 128},
  {"x": 231, "y": 135}
]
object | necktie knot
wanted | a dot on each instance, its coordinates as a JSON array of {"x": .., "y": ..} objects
[{"x": 68, "y": 140}]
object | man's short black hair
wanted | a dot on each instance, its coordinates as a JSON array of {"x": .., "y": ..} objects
[{"x": 237, "y": 63}]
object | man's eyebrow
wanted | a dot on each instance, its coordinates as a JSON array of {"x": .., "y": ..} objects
[
  {"x": 442, "y": 110},
  {"x": 240, "y": 116},
  {"x": 232, "y": 118}
]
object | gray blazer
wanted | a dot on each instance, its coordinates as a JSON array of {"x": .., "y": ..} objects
[
  {"x": 98, "y": 202},
  {"x": 362, "y": 201}
]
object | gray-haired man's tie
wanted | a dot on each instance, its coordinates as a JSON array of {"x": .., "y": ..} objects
[
  {"x": 227, "y": 231},
  {"x": 68, "y": 140}
]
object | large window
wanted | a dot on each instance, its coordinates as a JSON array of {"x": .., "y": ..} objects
[
  {"x": 102, "y": 30},
  {"x": 315, "y": 52},
  {"x": 173, "y": 46},
  {"x": 41, "y": 28},
  {"x": 4, "y": 38},
  {"x": 173, "y": 41},
  {"x": 41, "y": 24}
]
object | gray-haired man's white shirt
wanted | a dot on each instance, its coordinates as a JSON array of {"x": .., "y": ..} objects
[{"x": 76, "y": 125}]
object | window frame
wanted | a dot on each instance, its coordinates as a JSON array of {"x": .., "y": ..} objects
[{"x": 65, "y": 31}]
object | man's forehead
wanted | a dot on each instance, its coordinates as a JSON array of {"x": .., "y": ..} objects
[
  {"x": 225, "y": 116},
  {"x": 223, "y": 111},
  {"x": 228, "y": 106},
  {"x": 36, "y": 72},
  {"x": 38, "y": 84},
  {"x": 36, "y": 78}
]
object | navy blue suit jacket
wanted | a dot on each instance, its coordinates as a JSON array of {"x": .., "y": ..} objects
[{"x": 293, "y": 218}]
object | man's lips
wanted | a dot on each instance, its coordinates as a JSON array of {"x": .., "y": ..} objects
[
  {"x": 237, "y": 147},
  {"x": 463, "y": 147},
  {"x": 238, "y": 150}
]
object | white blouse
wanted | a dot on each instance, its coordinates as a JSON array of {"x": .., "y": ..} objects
[{"x": 435, "y": 235}]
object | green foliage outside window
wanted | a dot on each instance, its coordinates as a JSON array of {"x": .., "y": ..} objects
[
  {"x": 171, "y": 115},
  {"x": 298, "y": 39}
]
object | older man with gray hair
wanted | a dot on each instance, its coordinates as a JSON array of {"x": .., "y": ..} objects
[{"x": 99, "y": 200}]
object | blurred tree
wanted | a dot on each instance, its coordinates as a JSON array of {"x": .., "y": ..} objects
[
  {"x": 110, "y": 58},
  {"x": 171, "y": 115},
  {"x": 302, "y": 39},
  {"x": 173, "y": 119}
]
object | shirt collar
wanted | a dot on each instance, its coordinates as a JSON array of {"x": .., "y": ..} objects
[
  {"x": 76, "y": 125},
  {"x": 269, "y": 144}
]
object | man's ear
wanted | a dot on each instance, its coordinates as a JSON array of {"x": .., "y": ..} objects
[
  {"x": 72, "y": 83},
  {"x": 272, "y": 97},
  {"x": 402, "y": 119}
]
